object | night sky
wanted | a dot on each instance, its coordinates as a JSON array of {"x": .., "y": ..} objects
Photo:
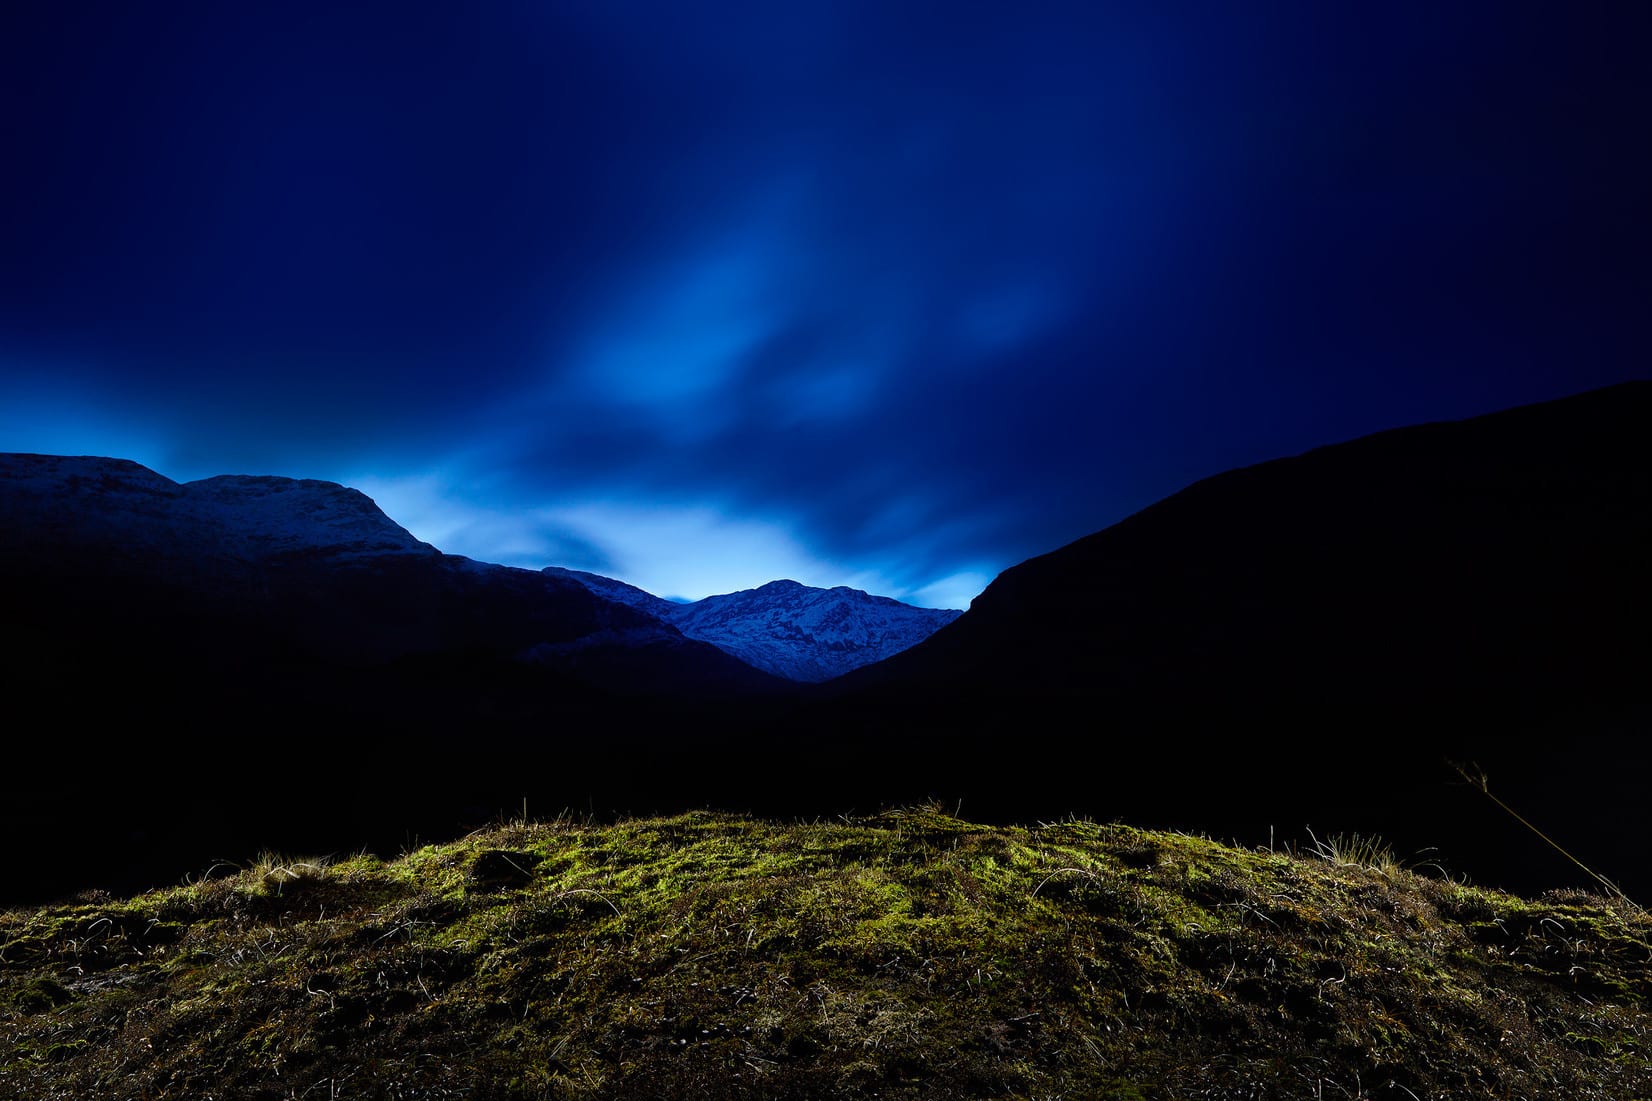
[{"x": 700, "y": 295}]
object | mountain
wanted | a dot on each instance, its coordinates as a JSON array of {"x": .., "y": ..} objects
[
  {"x": 786, "y": 628},
  {"x": 618, "y": 591},
  {"x": 214, "y": 572},
  {"x": 202, "y": 670},
  {"x": 1498, "y": 562},
  {"x": 126, "y": 520},
  {"x": 1318, "y": 639}
]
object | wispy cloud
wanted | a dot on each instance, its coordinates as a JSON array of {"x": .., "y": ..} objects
[{"x": 902, "y": 294}]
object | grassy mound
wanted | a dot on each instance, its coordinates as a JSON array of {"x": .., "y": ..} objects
[{"x": 911, "y": 955}]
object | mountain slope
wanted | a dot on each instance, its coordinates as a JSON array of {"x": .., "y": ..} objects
[
  {"x": 794, "y": 631},
  {"x": 114, "y": 516},
  {"x": 1499, "y": 560},
  {"x": 1315, "y": 641},
  {"x": 226, "y": 568},
  {"x": 618, "y": 591}
]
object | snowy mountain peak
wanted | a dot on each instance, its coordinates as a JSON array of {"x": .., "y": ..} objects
[{"x": 788, "y": 628}]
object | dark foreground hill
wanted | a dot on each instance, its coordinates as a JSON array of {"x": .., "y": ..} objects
[{"x": 911, "y": 956}]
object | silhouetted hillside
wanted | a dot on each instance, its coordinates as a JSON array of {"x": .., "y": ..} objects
[
  {"x": 197, "y": 671},
  {"x": 1495, "y": 562},
  {"x": 1311, "y": 639},
  {"x": 103, "y": 558}
]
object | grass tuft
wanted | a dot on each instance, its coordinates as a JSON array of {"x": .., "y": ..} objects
[
  {"x": 273, "y": 873},
  {"x": 1357, "y": 851}
]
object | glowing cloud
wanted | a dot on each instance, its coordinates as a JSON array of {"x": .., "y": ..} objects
[{"x": 691, "y": 551}]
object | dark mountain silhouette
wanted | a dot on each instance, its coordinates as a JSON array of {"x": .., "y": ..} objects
[
  {"x": 1493, "y": 564},
  {"x": 1311, "y": 640},
  {"x": 199, "y": 671},
  {"x": 230, "y": 573}
]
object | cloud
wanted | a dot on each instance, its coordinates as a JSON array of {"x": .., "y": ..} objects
[
  {"x": 692, "y": 551},
  {"x": 901, "y": 293},
  {"x": 438, "y": 511}
]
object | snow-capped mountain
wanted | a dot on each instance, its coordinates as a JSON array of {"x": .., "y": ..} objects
[{"x": 786, "y": 628}]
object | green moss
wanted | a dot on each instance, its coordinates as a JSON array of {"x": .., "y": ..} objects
[
  {"x": 908, "y": 955},
  {"x": 39, "y": 993}
]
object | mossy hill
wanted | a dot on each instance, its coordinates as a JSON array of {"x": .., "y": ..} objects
[{"x": 910, "y": 955}]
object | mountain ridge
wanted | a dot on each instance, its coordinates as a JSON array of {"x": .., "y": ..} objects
[
  {"x": 1475, "y": 495},
  {"x": 303, "y": 567}
]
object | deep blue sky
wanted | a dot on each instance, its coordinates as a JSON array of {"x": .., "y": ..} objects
[{"x": 894, "y": 295}]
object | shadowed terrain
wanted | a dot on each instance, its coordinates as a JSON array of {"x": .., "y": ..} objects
[
  {"x": 1302, "y": 644},
  {"x": 1311, "y": 640}
]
